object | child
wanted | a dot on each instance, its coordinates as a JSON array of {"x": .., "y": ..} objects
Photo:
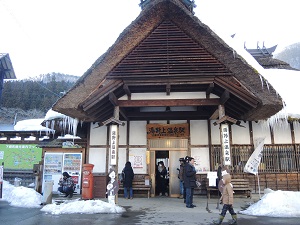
[{"x": 227, "y": 199}]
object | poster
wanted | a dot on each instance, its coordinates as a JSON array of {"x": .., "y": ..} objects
[
  {"x": 137, "y": 161},
  {"x": 20, "y": 156}
]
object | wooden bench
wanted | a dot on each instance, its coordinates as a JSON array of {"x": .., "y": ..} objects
[
  {"x": 138, "y": 184},
  {"x": 239, "y": 186}
]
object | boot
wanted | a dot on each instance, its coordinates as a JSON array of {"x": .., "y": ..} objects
[
  {"x": 234, "y": 220},
  {"x": 218, "y": 222}
]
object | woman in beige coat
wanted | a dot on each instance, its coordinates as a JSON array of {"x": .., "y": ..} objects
[{"x": 227, "y": 199}]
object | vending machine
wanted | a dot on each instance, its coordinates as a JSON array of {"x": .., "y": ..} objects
[{"x": 57, "y": 163}]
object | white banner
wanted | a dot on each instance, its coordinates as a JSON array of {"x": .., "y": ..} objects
[
  {"x": 254, "y": 160},
  {"x": 225, "y": 144},
  {"x": 113, "y": 144}
]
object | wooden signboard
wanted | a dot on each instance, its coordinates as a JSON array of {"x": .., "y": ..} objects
[{"x": 168, "y": 131}]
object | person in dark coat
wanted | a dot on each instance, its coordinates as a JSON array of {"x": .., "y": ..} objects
[
  {"x": 161, "y": 179},
  {"x": 180, "y": 176},
  {"x": 128, "y": 176},
  {"x": 189, "y": 181}
]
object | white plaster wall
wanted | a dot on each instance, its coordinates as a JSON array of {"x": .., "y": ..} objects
[
  {"x": 158, "y": 121},
  {"x": 122, "y": 134},
  {"x": 261, "y": 131},
  {"x": 215, "y": 133},
  {"x": 177, "y": 121},
  {"x": 198, "y": 132},
  {"x": 283, "y": 135},
  {"x": 240, "y": 135},
  {"x": 173, "y": 95},
  {"x": 97, "y": 156},
  {"x": 138, "y": 134},
  {"x": 97, "y": 135},
  {"x": 122, "y": 159},
  {"x": 201, "y": 156},
  {"x": 297, "y": 132},
  {"x": 137, "y": 157}
]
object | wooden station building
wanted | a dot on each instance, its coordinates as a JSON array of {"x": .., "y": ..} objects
[{"x": 164, "y": 89}]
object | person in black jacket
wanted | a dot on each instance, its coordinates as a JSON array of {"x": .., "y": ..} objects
[
  {"x": 189, "y": 181},
  {"x": 128, "y": 175},
  {"x": 161, "y": 175}
]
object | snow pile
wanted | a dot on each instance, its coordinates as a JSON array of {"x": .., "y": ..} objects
[
  {"x": 276, "y": 204},
  {"x": 29, "y": 198},
  {"x": 83, "y": 207},
  {"x": 21, "y": 196}
]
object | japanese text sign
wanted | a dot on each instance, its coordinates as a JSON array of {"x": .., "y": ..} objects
[{"x": 225, "y": 143}]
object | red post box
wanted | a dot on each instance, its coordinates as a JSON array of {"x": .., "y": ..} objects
[{"x": 87, "y": 182}]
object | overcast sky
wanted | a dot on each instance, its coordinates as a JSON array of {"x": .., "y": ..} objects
[{"x": 67, "y": 36}]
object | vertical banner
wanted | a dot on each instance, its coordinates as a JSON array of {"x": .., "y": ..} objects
[
  {"x": 113, "y": 144},
  {"x": 225, "y": 144},
  {"x": 254, "y": 160},
  {"x": 1, "y": 180}
]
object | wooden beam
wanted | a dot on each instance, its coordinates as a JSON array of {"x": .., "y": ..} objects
[
  {"x": 215, "y": 115},
  {"x": 113, "y": 99},
  {"x": 127, "y": 91},
  {"x": 209, "y": 89},
  {"x": 168, "y": 89},
  {"x": 225, "y": 96},
  {"x": 168, "y": 102}
]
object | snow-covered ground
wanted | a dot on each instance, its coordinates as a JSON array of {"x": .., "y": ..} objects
[
  {"x": 29, "y": 198},
  {"x": 272, "y": 203}
]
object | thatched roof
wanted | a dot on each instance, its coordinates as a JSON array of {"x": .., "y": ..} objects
[{"x": 95, "y": 85}]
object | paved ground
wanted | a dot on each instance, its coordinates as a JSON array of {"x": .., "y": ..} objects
[{"x": 140, "y": 211}]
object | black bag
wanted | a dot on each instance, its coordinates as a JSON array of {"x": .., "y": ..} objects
[{"x": 122, "y": 176}]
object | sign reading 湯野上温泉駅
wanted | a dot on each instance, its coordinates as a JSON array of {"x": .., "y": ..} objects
[
  {"x": 168, "y": 130},
  {"x": 20, "y": 156}
]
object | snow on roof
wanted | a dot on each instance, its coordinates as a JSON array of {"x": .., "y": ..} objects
[{"x": 31, "y": 125}]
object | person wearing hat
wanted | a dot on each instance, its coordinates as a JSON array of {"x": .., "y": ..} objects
[
  {"x": 180, "y": 176},
  {"x": 66, "y": 185},
  {"x": 189, "y": 181}
]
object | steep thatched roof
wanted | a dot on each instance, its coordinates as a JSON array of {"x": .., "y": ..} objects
[{"x": 94, "y": 85}]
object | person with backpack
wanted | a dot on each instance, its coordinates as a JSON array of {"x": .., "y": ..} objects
[{"x": 128, "y": 176}]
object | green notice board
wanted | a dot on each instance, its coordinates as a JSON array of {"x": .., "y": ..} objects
[{"x": 19, "y": 156}]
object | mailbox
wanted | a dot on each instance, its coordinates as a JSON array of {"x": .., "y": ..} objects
[{"x": 87, "y": 182}]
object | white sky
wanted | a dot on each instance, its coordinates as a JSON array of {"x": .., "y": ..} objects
[
  {"x": 272, "y": 203},
  {"x": 68, "y": 36}
]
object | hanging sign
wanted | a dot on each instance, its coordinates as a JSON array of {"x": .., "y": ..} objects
[
  {"x": 113, "y": 144},
  {"x": 225, "y": 144},
  {"x": 168, "y": 130}
]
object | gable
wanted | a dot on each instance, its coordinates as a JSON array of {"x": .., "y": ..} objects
[
  {"x": 167, "y": 49},
  {"x": 168, "y": 52}
]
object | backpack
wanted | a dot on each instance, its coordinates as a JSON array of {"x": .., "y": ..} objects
[{"x": 122, "y": 176}]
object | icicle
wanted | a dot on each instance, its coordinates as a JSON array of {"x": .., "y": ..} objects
[
  {"x": 262, "y": 81},
  {"x": 267, "y": 83}
]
